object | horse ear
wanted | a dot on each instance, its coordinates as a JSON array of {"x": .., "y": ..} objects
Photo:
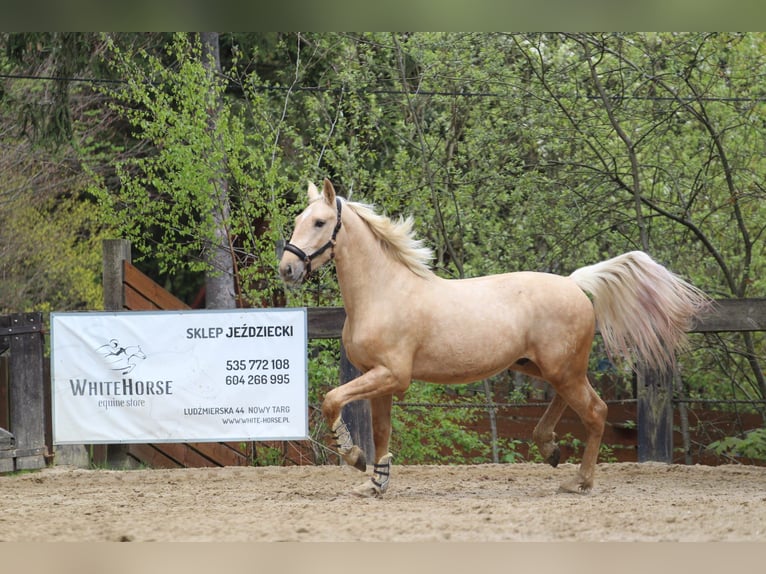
[
  {"x": 313, "y": 192},
  {"x": 329, "y": 192}
]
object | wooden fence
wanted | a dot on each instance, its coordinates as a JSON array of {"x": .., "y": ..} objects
[
  {"x": 656, "y": 421},
  {"x": 654, "y": 391},
  {"x": 23, "y": 399}
]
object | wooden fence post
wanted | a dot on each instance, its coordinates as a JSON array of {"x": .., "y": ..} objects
[
  {"x": 26, "y": 390},
  {"x": 357, "y": 415},
  {"x": 654, "y": 392},
  {"x": 114, "y": 252}
]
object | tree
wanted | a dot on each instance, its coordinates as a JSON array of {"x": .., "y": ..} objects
[
  {"x": 196, "y": 200},
  {"x": 219, "y": 279},
  {"x": 661, "y": 130},
  {"x": 50, "y": 252}
]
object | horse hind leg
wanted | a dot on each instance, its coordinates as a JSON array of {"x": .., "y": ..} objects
[
  {"x": 377, "y": 484},
  {"x": 592, "y": 411},
  {"x": 544, "y": 436}
]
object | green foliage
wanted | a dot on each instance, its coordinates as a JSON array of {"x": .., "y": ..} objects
[
  {"x": 51, "y": 256},
  {"x": 324, "y": 370},
  {"x": 508, "y": 451},
  {"x": 267, "y": 455},
  {"x": 171, "y": 202},
  {"x": 569, "y": 442},
  {"x": 577, "y": 446},
  {"x": 434, "y": 435},
  {"x": 751, "y": 445}
]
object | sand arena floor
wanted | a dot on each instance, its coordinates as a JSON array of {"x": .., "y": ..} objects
[{"x": 512, "y": 502}]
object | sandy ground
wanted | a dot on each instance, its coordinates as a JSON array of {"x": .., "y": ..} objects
[{"x": 515, "y": 502}]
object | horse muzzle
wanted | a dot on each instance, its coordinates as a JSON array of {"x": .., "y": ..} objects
[{"x": 292, "y": 272}]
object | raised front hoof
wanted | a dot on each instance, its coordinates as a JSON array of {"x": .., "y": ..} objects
[
  {"x": 576, "y": 486},
  {"x": 368, "y": 490},
  {"x": 361, "y": 463},
  {"x": 355, "y": 457},
  {"x": 554, "y": 458}
]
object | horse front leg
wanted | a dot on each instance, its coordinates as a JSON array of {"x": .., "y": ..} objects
[
  {"x": 351, "y": 453},
  {"x": 378, "y": 385},
  {"x": 377, "y": 484}
]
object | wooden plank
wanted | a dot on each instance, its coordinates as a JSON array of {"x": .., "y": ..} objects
[
  {"x": 184, "y": 455},
  {"x": 224, "y": 454},
  {"x": 655, "y": 389},
  {"x": 48, "y": 408},
  {"x": 150, "y": 290},
  {"x": 151, "y": 457},
  {"x": 655, "y": 415},
  {"x": 135, "y": 301},
  {"x": 27, "y": 397},
  {"x": 325, "y": 322},
  {"x": 357, "y": 414},
  {"x": 7, "y": 441},
  {"x": 736, "y": 315},
  {"x": 113, "y": 253},
  {"x": 4, "y": 385}
]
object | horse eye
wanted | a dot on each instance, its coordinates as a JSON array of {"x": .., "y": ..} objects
[{"x": 319, "y": 223}]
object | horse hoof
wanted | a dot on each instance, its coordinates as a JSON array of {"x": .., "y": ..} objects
[
  {"x": 554, "y": 458},
  {"x": 574, "y": 487},
  {"x": 361, "y": 462},
  {"x": 355, "y": 457},
  {"x": 367, "y": 490}
]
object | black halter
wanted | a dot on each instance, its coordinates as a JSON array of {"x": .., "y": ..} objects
[{"x": 307, "y": 259}]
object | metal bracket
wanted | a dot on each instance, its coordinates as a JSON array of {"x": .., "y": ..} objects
[{"x": 18, "y": 327}]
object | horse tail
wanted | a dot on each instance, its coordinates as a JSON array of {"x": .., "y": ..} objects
[{"x": 642, "y": 309}]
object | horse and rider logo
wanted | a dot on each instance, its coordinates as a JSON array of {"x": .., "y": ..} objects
[{"x": 119, "y": 358}]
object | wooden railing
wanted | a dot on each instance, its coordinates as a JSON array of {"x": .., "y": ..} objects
[
  {"x": 132, "y": 290},
  {"x": 654, "y": 389}
]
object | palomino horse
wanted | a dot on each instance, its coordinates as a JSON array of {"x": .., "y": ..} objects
[{"x": 403, "y": 322}]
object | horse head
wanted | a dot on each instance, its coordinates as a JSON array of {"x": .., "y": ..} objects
[{"x": 313, "y": 241}]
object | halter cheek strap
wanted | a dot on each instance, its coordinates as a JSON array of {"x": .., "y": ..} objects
[{"x": 307, "y": 259}]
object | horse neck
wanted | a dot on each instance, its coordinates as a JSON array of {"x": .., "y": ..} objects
[{"x": 365, "y": 271}]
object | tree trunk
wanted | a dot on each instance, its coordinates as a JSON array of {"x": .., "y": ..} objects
[{"x": 219, "y": 280}]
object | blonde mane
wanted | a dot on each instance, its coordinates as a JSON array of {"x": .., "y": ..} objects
[{"x": 396, "y": 238}]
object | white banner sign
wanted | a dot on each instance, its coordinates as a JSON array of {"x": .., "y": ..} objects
[{"x": 176, "y": 376}]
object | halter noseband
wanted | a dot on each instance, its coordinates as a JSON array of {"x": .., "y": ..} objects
[{"x": 307, "y": 259}]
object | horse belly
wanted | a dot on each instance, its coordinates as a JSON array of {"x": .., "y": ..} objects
[
  {"x": 491, "y": 323},
  {"x": 462, "y": 351}
]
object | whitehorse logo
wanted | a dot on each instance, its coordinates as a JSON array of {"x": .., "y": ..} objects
[{"x": 121, "y": 358}]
